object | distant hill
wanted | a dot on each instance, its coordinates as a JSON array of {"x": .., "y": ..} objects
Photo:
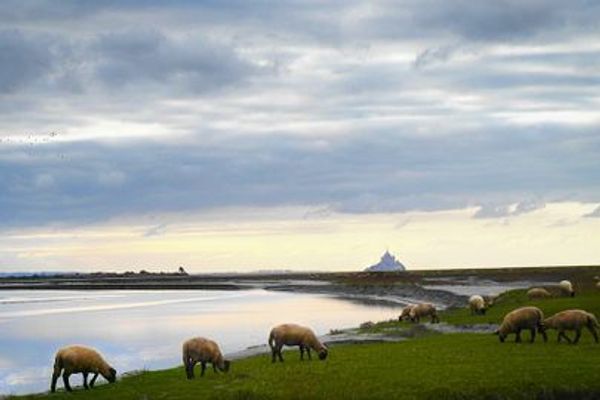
[{"x": 387, "y": 263}]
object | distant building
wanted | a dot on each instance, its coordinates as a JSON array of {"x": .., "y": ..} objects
[{"x": 387, "y": 263}]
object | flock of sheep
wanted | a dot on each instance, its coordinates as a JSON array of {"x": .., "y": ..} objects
[
  {"x": 84, "y": 360},
  {"x": 80, "y": 359}
]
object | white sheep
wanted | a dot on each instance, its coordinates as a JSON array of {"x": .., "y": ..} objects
[
  {"x": 538, "y": 293},
  {"x": 295, "y": 335},
  {"x": 566, "y": 287},
  {"x": 423, "y": 310},
  {"x": 80, "y": 359},
  {"x": 477, "y": 304},
  {"x": 202, "y": 350},
  {"x": 405, "y": 314},
  {"x": 530, "y": 318},
  {"x": 572, "y": 320}
]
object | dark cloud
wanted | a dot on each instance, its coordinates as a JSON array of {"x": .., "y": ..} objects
[
  {"x": 389, "y": 173},
  {"x": 22, "y": 60},
  {"x": 345, "y": 106}
]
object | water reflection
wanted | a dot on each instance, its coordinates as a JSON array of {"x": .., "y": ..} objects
[{"x": 145, "y": 329}]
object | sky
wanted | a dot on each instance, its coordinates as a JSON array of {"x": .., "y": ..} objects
[{"x": 233, "y": 135}]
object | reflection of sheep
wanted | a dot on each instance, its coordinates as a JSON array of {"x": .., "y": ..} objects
[
  {"x": 538, "y": 293},
  {"x": 423, "y": 310},
  {"x": 477, "y": 304},
  {"x": 572, "y": 320},
  {"x": 203, "y": 351},
  {"x": 522, "y": 318},
  {"x": 295, "y": 335},
  {"x": 405, "y": 314},
  {"x": 566, "y": 287},
  {"x": 80, "y": 359}
]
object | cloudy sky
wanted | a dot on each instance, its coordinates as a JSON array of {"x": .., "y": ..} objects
[{"x": 245, "y": 135}]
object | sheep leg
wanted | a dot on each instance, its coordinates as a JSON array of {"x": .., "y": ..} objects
[
  {"x": 214, "y": 367},
  {"x": 518, "y": 336},
  {"x": 203, "y": 364},
  {"x": 577, "y": 336},
  {"x": 55, "y": 376},
  {"x": 542, "y": 331},
  {"x": 66, "y": 382},
  {"x": 273, "y": 355},
  {"x": 308, "y": 352},
  {"x": 593, "y": 332},
  {"x": 562, "y": 334},
  {"x": 279, "y": 352},
  {"x": 85, "y": 382},
  {"x": 93, "y": 381},
  {"x": 532, "y": 330},
  {"x": 301, "y": 352}
]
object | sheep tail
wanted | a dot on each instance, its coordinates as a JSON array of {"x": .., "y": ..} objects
[
  {"x": 272, "y": 340},
  {"x": 58, "y": 365},
  {"x": 186, "y": 357}
]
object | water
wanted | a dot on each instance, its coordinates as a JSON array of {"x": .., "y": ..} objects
[{"x": 144, "y": 329}]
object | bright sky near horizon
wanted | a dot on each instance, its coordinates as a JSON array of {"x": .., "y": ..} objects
[{"x": 234, "y": 136}]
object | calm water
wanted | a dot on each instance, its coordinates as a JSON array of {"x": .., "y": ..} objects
[{"x": 145, "y": 329}]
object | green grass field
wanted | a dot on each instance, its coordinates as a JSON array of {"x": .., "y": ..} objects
[
  {"x": 428, "y": 366},
  {"x": 439, "y": 366}
]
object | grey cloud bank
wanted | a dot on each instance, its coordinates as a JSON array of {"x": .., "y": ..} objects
[{"x": 361, "y": 107}]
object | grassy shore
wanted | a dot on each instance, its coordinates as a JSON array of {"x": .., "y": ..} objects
[
  {"x": 454, "y": 366},
  {"x": 437, "y": 366}
]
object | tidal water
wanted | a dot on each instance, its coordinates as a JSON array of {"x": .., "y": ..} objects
[{"x": 138, "y": 330}]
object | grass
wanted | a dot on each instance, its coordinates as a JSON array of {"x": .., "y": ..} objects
[
  {"x": 588, "y": 300},
  {"x": 429, "y": 366},
  {"x": 440, "y": 366}
]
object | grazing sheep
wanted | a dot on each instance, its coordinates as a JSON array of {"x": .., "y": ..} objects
[
  {"x": 477, "y": 304},
  {"x": 295, "y": 335},
  {"x": 203, "y": 351},
  {"x": 572, "y": 320},
  {"x": 405, "y": 314},
  {"x": 423, "y": 310},
  {"x": 522, "y": 318},
  {"x": 490, "y": 299},
  {"x": 538, "y": 293},
  {"x": 566, "y": 287},
  {"x": 80, "y": 359}
]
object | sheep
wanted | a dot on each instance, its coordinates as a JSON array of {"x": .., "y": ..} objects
[
  {"x": 490, "y": 299},
  {"x": 295, "y": 335},
  {"x": 423, "y": 310},
  {"x": 538, "y": 293},
  {"x": 203, "y": 351},
  {"x": 597, "y": 279},
  {"x": 566, "y": 287},
  {"x": 522, "y": 318},
  {"x": 80, "y": 359},
  {"x": 477, "y": 304},
  {"x": 572, "y": 320},
  {"x": 405, "y": 314}
]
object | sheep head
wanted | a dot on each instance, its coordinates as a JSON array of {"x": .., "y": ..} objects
[
  {"x": 323, "y": 354},
  {"x": 226, "y": 365},
  {"x": 112, "y": 375}
]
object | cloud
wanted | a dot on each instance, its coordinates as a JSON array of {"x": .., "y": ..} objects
[
  {"x": 593, "y": 214},
  {"x": 22, "y": 60},
  {"x": 379, "y": 107}
]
